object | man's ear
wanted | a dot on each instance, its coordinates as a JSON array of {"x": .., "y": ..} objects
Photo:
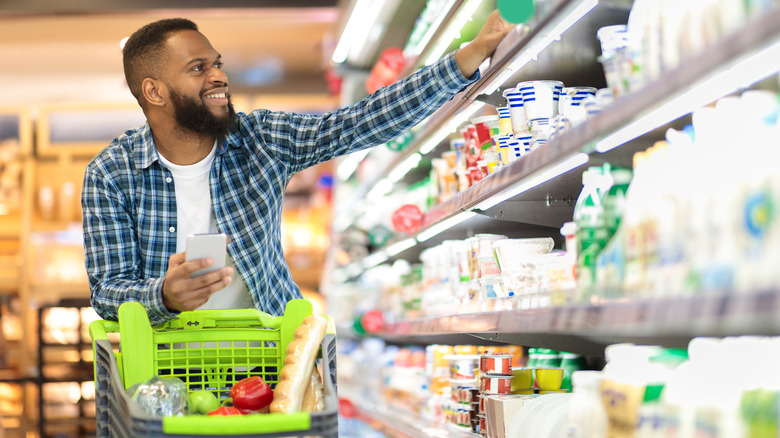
[{"x": 153, "y": 91}]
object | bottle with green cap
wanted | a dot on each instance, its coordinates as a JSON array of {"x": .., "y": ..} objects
[
  {"x": 651, "y": 416},
  {"x": 615, "y": 198},
  {"x": 570, "y": 363},
  {"x": 592, "y": 234},
  {"x": 548, "y": 358},
  {"x": 533, "y": 358}
]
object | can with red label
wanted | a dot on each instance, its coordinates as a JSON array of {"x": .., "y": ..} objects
[
  {"x": 495, "y": 364},
  {"x": 495, "y": 384},
  {"x": 481, "y": 404}
]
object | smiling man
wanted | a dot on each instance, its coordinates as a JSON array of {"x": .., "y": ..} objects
[{"x": 197, "y": 166}]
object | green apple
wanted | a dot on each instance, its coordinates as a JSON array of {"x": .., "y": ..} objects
[{"x": 202, "y": 402}]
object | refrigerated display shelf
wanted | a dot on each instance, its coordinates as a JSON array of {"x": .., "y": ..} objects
[
  {"x": 444, "y": 18},
  {"x": 460, "y": 102},
  {"x": 588, "y": 329},
  {"x": 397, "y": 424},
  {"x": 696, "y": 82}
]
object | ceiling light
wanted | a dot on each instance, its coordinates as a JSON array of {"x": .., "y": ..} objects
[
  {"x": 350, "y": 163},
  {"x": 381, "y": 188},
  {"x": 402, "y": 169},
  {"x": 400, "y": 247},
  {"x": 366, "y": 24},
  {"x": 432, "y": 28},
  {"x": 374, "y": 259},
  {"x": 444, "y": 225}
]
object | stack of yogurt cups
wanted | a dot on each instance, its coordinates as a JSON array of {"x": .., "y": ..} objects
[
  {"x": 536, "y": 111},
  {"x": 464, "y": 391},
  {"x": 495, "y": 377}
]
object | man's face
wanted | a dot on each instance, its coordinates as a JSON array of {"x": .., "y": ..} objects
[{"x": 197, "y": 85}]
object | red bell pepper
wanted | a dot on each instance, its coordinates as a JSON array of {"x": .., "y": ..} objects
[
  {"x": 226, "y": 411},
  {"x": 252, "y": 394}
]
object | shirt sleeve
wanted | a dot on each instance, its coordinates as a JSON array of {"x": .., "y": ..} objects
[
  {"x": 110, "y": 247},
  {"x": 304, "y": 140}
]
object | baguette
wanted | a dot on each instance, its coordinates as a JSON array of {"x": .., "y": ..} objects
[
  {"x": 313, "y": 398},
  {"x": 298, "y": 364}
]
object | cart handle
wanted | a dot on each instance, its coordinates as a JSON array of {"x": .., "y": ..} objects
[{"x": 98, "y": 329}]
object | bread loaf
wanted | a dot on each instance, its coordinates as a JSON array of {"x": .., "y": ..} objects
[
  {"x": 313, "y": 398},
  {"x": 298, "y": 364}
]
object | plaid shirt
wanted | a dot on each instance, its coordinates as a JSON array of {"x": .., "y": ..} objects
[{"x": 129, "y": 204}]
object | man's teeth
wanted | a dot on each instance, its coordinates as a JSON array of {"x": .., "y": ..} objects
[{"x": 217, "y": 96}]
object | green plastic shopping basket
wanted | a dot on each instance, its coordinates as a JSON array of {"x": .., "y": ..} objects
[{"x": 206, "y": 349}]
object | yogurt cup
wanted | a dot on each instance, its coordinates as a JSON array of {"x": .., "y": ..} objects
[
  {"x": 495, "y": 364},
  {"x": 463, "y": 366},
  {"x": 493, "y": 384},
  {"x": 514, "y": 99},
  {"x": 573, "y": 97},
  {"x": 504, "y": 120},
  {"x": 540, "y": 98}
]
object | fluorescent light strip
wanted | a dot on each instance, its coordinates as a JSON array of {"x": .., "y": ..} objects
[
  {"x": 381, "y": 188},
  {"x": 408, "y": 164},
  {"x": 741, "y": 75},
  {"x": 432, "y": 28},
  {"x": 453, "y": 30},
  {"x": 555, "y": 171},
  {"x": 350, "y": 163},
  {"x": 370, "y": 27},
  {"x": 342, "y": 222},
  {"x": 539, "y": 43},
  {"x": 339, "y": 276},
  {"x": 444, "y": 225},
  {"x": 400, "y": 247},
  {"x": 353, "y": 269},
  {"x": 450, "y": 126},
  {"x": 374, "y": 259},
  {"x": 355, "y": 25}
]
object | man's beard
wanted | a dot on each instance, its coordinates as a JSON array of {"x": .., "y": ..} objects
[{"x": 193, "y": 114}]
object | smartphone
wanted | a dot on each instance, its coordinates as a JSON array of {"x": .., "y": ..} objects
[{"x": 208, "y": 245}]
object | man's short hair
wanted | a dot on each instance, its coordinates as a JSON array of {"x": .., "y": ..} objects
[{"x": 142, "y": 55}]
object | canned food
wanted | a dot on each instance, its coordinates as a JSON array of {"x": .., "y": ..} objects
[
  {"x": 482, "y": 424},
  {"x": 496, "y": 364},
  {"x": 494, "y": 384},
  {"x": 481, "y": 404}
]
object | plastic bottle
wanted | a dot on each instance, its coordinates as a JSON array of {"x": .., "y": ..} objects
[
  {"x": 570, "y": 363},
  {"x": 592, "y": 235},
  {"x": 587, "y": 416},
  {"x": 615, "y": 198},
  {"x": 548, "y": 358}
]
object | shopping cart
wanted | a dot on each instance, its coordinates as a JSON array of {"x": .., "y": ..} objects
[{"x": 206, "y": 349}]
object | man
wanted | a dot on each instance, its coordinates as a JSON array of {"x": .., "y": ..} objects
[{"x": 196, "y": 167}]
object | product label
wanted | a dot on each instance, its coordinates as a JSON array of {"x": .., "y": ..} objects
[{"x": 622, "y": 402}]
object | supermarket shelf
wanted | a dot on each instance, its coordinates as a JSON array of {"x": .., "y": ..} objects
[
  {"x": 525, "y": 181},
  {"x": 405, "y": 424},
  {"x": 444, "y": 117},
  {"x": 670, "y": 322},
  {"x": 446, "y": 16}
]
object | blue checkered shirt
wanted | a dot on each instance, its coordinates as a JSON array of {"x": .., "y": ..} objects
[{"x": 129, "y": 204}]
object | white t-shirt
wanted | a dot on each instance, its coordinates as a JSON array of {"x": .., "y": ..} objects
[{"x": 194, "y": 216}]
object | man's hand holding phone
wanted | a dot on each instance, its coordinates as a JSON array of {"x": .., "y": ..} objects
[{"x": 194, "y": 275}]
